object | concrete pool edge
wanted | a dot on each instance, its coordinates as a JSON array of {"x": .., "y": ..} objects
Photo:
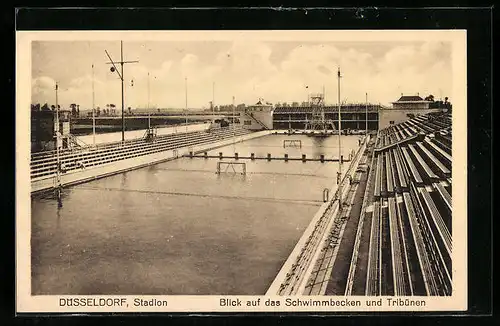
[
  {"x": 108, "y": 169},
  {"x": 288, "y": 265}
]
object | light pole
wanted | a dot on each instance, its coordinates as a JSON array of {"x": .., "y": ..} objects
[
  {"x": 234, "y": 130},
  {"x": 114, "y": 69},
  {"x": 58, "y": 161},
  {"x": 325, "y": 130},
  {"x": 93, "y": 107},
  {"x": 340, "y": 142},
  {"x": 186, "y": 87},
  {"x": 366, "y": 110},
  {"x": 149, "y": 113},
  {"x": 307, "y": 93}
]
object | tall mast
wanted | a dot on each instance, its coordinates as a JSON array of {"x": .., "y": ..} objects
[
  {"x": 213, "y": 101},
  {"x": 120, "y": 74}
]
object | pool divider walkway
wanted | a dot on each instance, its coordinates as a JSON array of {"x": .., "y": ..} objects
[{"x": 268, "y": 158}]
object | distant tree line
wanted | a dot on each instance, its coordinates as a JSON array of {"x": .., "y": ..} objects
[
  {"x": 44, "y": 107},
  {"x": 75, "y": 110},
  {"x": 226, "y": 108},
  {"x": 438, "y": 104},
  {"x": 109, "y": 110}
]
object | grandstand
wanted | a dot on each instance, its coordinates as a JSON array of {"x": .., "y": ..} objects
[
  {"x": 353, "y": 116},
  {"x": 43, "y": 164},
  {"x": 409, "y": 211}
]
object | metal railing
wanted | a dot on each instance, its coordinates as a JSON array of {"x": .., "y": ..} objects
[{"x": 295, "y": 277}]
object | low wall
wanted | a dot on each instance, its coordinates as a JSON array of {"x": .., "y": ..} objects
[
  {"x": 100, "y": 171},
  {"x": 388, "y": 117}
]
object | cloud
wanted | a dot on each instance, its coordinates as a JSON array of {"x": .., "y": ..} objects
[
  {"x": 244, "y": 69},
  {"x": 43, "y": 89},
  {"x": 324, "y": 70}
]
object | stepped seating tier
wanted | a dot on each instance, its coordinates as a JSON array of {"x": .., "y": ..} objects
[
  {"x": 44, "y": 164},
  {"x": 412, "y": 184}
]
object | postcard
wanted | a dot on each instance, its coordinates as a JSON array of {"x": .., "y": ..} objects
[{"x": 241, "y": 171}]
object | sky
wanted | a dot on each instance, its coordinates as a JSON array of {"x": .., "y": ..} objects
[{"x": 248, "y": 70}]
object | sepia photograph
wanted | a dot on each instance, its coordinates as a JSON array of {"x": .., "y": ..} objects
[{"x": 311, "y": 166}]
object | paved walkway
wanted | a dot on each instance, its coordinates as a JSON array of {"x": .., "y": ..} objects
[{"x": 340, "y": 271}]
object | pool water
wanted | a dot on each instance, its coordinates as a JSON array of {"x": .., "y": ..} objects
[{"x": 178, "y": 227}]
